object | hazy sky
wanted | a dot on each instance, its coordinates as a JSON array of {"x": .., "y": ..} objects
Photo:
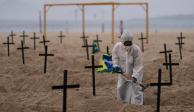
[{"x": 29, "y": 9}]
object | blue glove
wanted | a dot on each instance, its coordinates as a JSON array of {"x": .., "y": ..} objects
[{"x": 117, "y": 69}]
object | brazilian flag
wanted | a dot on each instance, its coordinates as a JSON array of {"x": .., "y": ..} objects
[
  {"x": 106, "y": 62},
  {"x": 96, "y": 47}
]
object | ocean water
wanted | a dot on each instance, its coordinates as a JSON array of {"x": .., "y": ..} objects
[{"x": 93, "y": 26}]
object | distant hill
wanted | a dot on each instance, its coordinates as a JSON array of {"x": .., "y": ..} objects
[
  {"x": 183, "y": 17},
  {"x": 174, "y": 21}
]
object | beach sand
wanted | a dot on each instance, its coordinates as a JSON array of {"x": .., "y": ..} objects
[{"x": 25, "y": 88}]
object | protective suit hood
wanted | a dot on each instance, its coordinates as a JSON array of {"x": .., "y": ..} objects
[{"x": 126, "y": 36}]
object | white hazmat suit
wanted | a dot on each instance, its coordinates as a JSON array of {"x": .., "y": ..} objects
[{"x": 129, "y": 59}]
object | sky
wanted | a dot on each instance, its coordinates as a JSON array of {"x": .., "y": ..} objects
[{"x": 29, "y": 9}]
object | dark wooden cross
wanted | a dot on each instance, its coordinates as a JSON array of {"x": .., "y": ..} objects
[
  {"x": 84, "y": 38},
  {"x": 93, "y": 66},
  {"x": 165, "y": 54},
  {"x": 142, "y": 41},
  {"x": 87, "y": 46},
  {"x": 61, "y": 36},
  {"x": 180, "y": 43},
  {"x": 159, "y": 84},
  {"x": 45, "y": 59},
  {"x": 170, "y": 64},
  {"x": 97, "y": 40},
  {"x": 12, "y": 35},
  {"x": 24, "y": 35},
  {"x": 22, "y": 48},
  {"x": 107, "y": 50},
  {"x": 44, "y": 41},
  {"x": 181, "y": 38},
  {"x": 34, "y": 38},
  {"x": 8, "y": 43},
  {"x": 64, "y": 87}
]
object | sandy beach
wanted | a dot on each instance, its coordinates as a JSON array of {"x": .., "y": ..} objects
[{"x": 25, "y": 88}]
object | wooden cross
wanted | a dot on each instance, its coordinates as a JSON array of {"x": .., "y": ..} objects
[
  {"x": 34, "y": 38},
  {"x": 24, "y": 35},
  {"x": 22, "y": 48},
  {"x": 181, "y": 38},
  {"x": 170, "y": 64},
  {"x": 142, "y": 42},
  {"x": 61, "y": 36},
  {"x": 165, "y": 54},
  {"x": 64, "y": 87},
  {"x": 159, "y": 84},
  {"x": 12, "y": 35},
  {"x": 8, "y": 43},
  {"x": 84, "y": 38},
  {"x": 93, "y": 66},
  {"x": 45, "y": 59},
  {"x": 180, "y": 43},
  {"x": 97, "y": 40},
  {"x": 44, "y": 41},
  {"x": 86, "y": 46}
]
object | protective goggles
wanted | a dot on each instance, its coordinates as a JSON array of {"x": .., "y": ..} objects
[{"x": 127, "y": 43}]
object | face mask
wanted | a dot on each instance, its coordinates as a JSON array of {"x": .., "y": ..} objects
[{"x": 127, "y": 48}]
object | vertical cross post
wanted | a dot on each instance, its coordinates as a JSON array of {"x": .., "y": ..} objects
[
  {"x": 84, "y": 38},
  {"x": 22, "y": 48},
  {"x": 159, "y": 84},
  {"x": 45, "y": 59},
  {"x": 87, "y": 46},
  {"x": 180, "y": 43},
  {"x": 170, "y": 64},
  {"x": 24, "y": 35},
  {"x": 159, "y": 90},
  {"x": 61, "y": 36},
  {"x": 44, "y": 41},
  {"x": 97, "y": 40},
  {"x": 12, "y": 35},
  {"x": 34, "y": 38},
  {"x": 93, "y": 66},
  {"x": 8, "y": 45},
  {"x": 142, "y": 41},
  {"x": 64, "y": 87},
  {"x": 165, "y": 54},
  {"x": 181, "y": 38},
  {"x": 107, "y": 50}
]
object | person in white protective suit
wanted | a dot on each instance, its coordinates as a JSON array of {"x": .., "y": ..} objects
[{"x": 128, "y": 57}]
